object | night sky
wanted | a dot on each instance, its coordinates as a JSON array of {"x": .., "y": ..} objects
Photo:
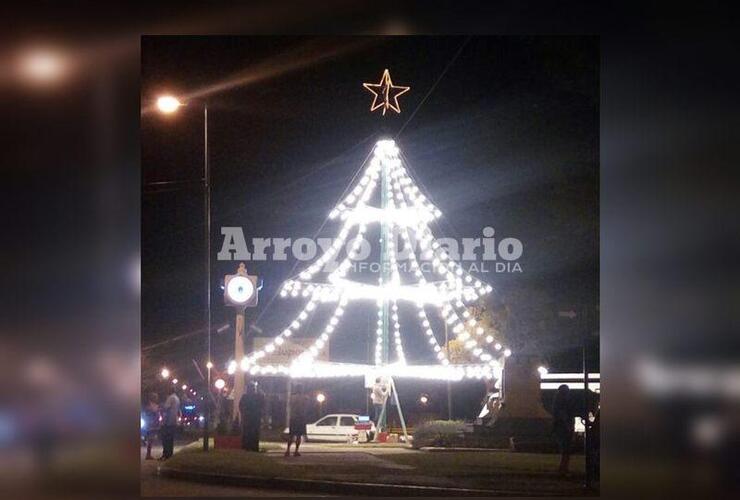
[{"x": 508, "y": 138}]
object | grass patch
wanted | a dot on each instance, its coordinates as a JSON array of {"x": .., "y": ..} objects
[
  {"x": 472, "y": 463},
  {"x": 241, "y": 462},
  {"x": 527, "y": 472},
  {"x": 531, "y": 472}
]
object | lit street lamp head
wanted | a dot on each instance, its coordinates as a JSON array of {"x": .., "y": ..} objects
[
  {"x": 320, "y": 398},
  {"x": 41, "y": 66},
  {"x": 168, "y": 104}
]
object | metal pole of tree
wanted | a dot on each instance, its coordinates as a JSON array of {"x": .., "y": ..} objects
[
  {"x": 207, "y": 241},
  {"x": 288, "y": 387},
  {"x": 449, "y": 385},
  {"x": 385, "y": 263}
]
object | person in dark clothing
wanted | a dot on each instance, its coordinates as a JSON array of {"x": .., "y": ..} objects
[
  {"x": 170, "y": 423},
  {"x": 250, "y": 409},
  {"x": 563, "y": 425},
  {"x": 151, "y": 418},
  {"x": 298, "y": 416}
]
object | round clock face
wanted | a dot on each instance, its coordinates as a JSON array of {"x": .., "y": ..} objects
[{"x": 240, "y": 289}]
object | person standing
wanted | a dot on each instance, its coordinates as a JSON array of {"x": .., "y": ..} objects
[
  {"x": 151, "y": 419},
  {"x": 169, "y": 426},
  {"x": 250, "y": 409},
  {"x": 379, "y": 395},
  {"x": 563, "y": 425},
  {"x": 298, "y": 415}
]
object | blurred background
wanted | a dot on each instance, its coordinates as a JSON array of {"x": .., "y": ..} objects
[{"x": 70, "y": 348}]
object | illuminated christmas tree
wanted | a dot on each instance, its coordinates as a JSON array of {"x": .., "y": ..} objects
[{"x": 442, "y": 286}]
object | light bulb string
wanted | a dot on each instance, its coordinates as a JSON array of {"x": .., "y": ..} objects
[
  {"x": 264, "y": 310},
  {"x": 346, "y": 227},
  {"x": 398, "y": 191}
]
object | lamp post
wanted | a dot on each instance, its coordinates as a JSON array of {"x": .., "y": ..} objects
[
  {"x": 169, "y": 104},
  {"x": 320, "y": 397}
]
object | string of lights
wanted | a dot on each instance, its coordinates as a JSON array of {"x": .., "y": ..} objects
[{"x": 409, "y": 210}]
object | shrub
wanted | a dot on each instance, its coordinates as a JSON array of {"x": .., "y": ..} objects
[{"x": 443, "y": 433}]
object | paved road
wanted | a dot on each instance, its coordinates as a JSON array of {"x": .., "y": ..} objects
[{"x": 153, "y": 485}]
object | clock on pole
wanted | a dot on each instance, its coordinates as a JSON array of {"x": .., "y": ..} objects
[{"x": 240, "y": 291}]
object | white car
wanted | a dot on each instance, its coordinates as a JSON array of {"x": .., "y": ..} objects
[{"x": 337, "y": 427}]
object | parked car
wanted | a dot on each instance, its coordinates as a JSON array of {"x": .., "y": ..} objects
[{"x": 338, "y": 427}]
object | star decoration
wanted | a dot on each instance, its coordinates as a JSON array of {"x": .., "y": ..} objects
[{"x": 385, "y": 93}]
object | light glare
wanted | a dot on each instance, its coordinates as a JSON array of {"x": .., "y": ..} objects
[{"x": 168, "y": 104}]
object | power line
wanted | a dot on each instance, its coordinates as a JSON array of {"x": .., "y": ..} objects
[{"x": 439, "y": 78}]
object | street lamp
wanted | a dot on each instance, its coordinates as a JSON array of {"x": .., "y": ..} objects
[
  {"x": 42, "y": 66},
  {"x": 184, "y": 387},
  {"x": 165, "y": 373},
  {"x": 168, "y": 104},
  {"x": 174, "y": 381},
  {"x": 320, "y": 397},
  {"x": 219, "y": 383},
  {"x": 424, "y": 399}
]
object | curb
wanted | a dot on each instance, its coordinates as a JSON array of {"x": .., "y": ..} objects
[
  {"x": 335, "y": 487},
  {"x": 441, "y": 449}
]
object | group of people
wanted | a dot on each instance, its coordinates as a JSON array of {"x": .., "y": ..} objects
[
  {"x": 250, "y": 409},
  {"x": 162, "y": 421}
]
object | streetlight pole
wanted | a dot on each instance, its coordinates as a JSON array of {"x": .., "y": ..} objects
[
  {"x": 169, "y": 104},
  {"x": 207, "y": 243}
]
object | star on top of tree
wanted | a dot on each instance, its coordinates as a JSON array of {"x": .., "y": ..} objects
[{"x": 385, "y": 93}]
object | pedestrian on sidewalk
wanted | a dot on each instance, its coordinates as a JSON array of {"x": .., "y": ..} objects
[
  {"x": 171, "y": 421},
  {"x": 298, "y": 416},
  {"x": 250, "y": 409},
  {"x": 563, "y": 425},
  {"x": 151, "y": 420}
]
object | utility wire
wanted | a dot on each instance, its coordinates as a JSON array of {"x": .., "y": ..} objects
[{"x": 439, "y": 78}]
